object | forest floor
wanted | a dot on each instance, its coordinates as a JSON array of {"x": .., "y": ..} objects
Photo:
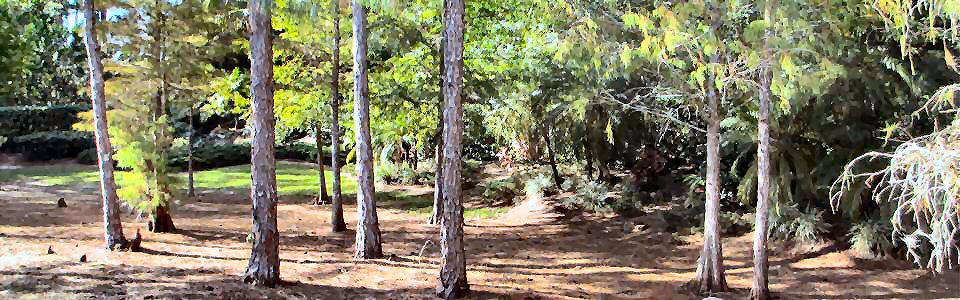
[{"x": 529, "y": 252}]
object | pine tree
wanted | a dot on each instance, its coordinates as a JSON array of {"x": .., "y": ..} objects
[
  {"x": 263, "y": 267},
  {"x": 368, "y": 226},
  {"x": 336, "y": 211},
  {"x": 453, "y": 267},
  {"x": 113, "y": 228}
]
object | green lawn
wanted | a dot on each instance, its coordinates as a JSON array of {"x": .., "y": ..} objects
[{"x": 292, "y": 178}]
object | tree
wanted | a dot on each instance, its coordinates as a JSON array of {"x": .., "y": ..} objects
[
  {"x": 336, "y": 212},
  {"x": 760, "y": 289},
  {"x": 368, "y": 226},
  {"x": 263, "y": 267},
  {"x": 322, "y": 196},
  {"x": 113, "y": 228},
  {"x": 453, "y": 266},
  {"x": 437, "y": 213}
]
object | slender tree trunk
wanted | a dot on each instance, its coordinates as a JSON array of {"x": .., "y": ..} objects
[
  {"x": 760, "y": 289},
  {"x": 368, "y": 226},
  {"x": 112, "y": 226},
  {"x": 191, "y": 190},
  {"x": 435, "y": 216},
  {"x": 438, "y": 182},
  {"x": 322, "y": 197},
  {"x": 557, "y": 180},
  {"x": 589, "y": 156},
  {"x": 336, "y": 212},
  {"x": 453, "y": 266},
  {"x": 710, "y": 276},
  {"x": 264, "y": 265}
]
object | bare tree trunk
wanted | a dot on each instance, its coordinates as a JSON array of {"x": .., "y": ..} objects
[
  {"x": 336, "y": 212},
  {"x": 710, "y": 276},
  {"x": 760, "y": 289},
  {"x": 438, "y": 182},
  {"x": 191, "y": 190},
  {"x": 368, "y": 226},
  {"x": 322, "y": 197},
  {"x": 453, "y": 266},
  {"x": 557, "y": 180},
  {"x": 112, "y": 226},
  {"x": 263, "y": 267},
  {"x": 435, "y": 216}
]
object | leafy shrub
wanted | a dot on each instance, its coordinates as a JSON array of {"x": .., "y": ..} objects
[
  {"x": 801, "y": 226},
  {"x": 500, "y": 190},
  {"x": 24, "y": 120},
  {"x": 51, "y": 145},
  {"x": 537, "y": 186},
  {"x": 591, "y": 196},
  {"x": 870, "y": 238},
  {"x": 88, "y": 157}
]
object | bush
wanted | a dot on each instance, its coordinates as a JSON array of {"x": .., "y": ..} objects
[
  {"x": 51, "y": 145},
  {"x": 500, "y": 190},
  {"x": 870, "y": 238},
  {"x": 793, "y": 224},
  {"x": 591, "y": 196},
  {"x": 538, "y": 186},
  {"x": 210, "y": 155},
  {"x": 24, "y": 120}
]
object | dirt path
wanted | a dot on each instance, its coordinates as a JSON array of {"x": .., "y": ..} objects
[{"x": 521, "y": 255}]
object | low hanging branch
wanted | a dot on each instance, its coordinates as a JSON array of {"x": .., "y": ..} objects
[{"x": 923, "y": 179}]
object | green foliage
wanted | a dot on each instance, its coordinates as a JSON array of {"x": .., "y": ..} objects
[
  {"x": 23, "y": 120},
  {"x": 41, "y": 60},
  {"x": 500, "y": 191},
  {"x": 51, "y": 144},
  {"x": 538, "y": 186},
  {"x": 590, "y": 196},
  {"x": 870, "y": 238},
  {"x": 790, "y": 223}
]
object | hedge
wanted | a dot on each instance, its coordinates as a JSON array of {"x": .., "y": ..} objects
[
  {"x": 216, "y": 155},
  {"x": 24, "y": 120},
  {"x": 50, "y": 145}
]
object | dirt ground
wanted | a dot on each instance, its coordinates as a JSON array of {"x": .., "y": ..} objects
[{"x": 528, "y": 253}]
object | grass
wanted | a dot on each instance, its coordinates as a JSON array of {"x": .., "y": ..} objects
[{"x": 292, "y": 179}]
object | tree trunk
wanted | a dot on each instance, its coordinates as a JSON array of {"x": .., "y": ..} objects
[
  {"x": 438, "y": 182},
  {"x": 435, "y": 216},
  {"x": 588, "y": 154},
  {"x": 453, "y": 267},
  {"x": 336, "y": 212},
  {"x": 710, "y": 276},
  {"x": 112, "y": 226},
  {"x": 162, "y": 221},
  {"x": 263, "y": 267},
  {"x": 191, "y": 190},
  {"x": 368, "y": 226},
  {"x": 760, "y": 289},
  {"x": 553, "y": 159},
  {"x": 322, "y": 197}
]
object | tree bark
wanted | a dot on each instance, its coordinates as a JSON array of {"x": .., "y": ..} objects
[
  {"x": 435, "y": 216},
  {"x": 557, "y": 180},
  {"x": 760, "y": 289},
  {"x": 368, "y": 227},
  {"x": 710, "y": 276},
  {"x": 336, "y": 212},
  {"x": 162, "y": 221},
  {"x": 263, "y": 267},
  {"x": 322, "y": 197},
  {"x": 191, "y": 190},
  {"x": 112, "y": 226},
  {"x": 453, "y": 267}
]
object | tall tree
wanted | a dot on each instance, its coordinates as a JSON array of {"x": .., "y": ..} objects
[
  {"x": 113, "y": 228},
  {"x": 368, "y": 226},
  {"x": 336, "y": 212},
  {"x": 264, "y": 265},
  {"x": 760, "y": 289},
  {"x": 453, "y": 266}
]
